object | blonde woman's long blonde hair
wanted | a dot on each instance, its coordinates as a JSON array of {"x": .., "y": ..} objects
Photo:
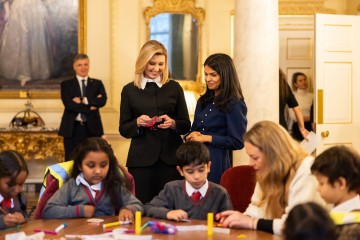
[
  {"x": 150, "y": 48},
  {"x": 283, "y": 157}
]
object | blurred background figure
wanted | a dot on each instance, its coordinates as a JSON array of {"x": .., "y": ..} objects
[
  {"x": 305, "y": 101},
  {"x": 287, "y": 100}
]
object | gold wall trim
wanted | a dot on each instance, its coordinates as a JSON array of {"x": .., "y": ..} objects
[
  {"x": 320, "y": 99},
  {"x": 82, "y": 43},
  {"x": 303, "y": 7}
]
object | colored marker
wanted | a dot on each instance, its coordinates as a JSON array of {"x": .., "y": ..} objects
[
  {"x": 210, "y": 223},
  {"x": 61, "y": 227},
  {"x": 46, "y": 231},
  {"x": 138, "y": 222},
  {"x": 113, "y": 224}
]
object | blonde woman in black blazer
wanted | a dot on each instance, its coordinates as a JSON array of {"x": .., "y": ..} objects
[{"x": 153, "y": 113}]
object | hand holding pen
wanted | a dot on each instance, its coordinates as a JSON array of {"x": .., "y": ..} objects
[{"x": 12, "y": 220}]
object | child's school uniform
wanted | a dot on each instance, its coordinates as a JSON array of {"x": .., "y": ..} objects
[
  {"x": 69, "y": 201},
  {"x": 18, "y": 204},
  {"x": 348, "y": 206},
  {"x": 175, "y": 196}
]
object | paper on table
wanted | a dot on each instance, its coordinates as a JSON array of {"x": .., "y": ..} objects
[
  {"x": 313, "y": 142},
  {"x": 202, "y": 228},
  {"x": 22, "y": 236}
]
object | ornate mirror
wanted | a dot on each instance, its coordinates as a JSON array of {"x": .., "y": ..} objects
[{"x": 178, "y": 25}]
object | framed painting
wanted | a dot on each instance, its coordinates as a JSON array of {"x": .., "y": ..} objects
[{"x": 38, "y": 40}]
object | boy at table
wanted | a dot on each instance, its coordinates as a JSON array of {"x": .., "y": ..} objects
[
  {"x": 194, "y": 196},
  {"x": 338, "y": 172}
]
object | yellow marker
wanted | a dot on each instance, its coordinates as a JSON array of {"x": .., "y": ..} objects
[
  {"x": 210, "y": 223},
  {"x": 113, "y": 224},
  {"x": 137, "y": 222}
]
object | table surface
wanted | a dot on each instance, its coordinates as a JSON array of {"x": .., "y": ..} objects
[{"x": 80, "y": 226}]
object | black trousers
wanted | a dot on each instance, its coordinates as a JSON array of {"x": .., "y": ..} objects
[
  {"x": 80, "y": 132},
  {"x": 296, "y": 134},
  {"x": 149, "y": 181}
]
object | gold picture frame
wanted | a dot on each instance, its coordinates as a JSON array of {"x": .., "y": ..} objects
[
  {"x": 198, "y": 14},
  {"x": 50, "y": 88}
]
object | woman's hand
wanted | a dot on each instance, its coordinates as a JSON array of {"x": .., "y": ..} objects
[
  {"x": 192, "y": 135},
  {"x": 198, "y": 137},
  {"x": 126, "y": 215},
  {"x": 304, "y": 133},
  {"x": 168, "y": 122},
  {"x": 143, "y": 121},
  {"x": 235, "y": 219}
]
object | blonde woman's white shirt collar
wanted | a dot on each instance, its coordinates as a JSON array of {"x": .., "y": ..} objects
[
  {"x": 202, "y": 190},
  {"x": 80, "y": 179},
  {"x": 144, "y": 80}
]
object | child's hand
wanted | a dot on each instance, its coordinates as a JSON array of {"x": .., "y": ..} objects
[
  {"x": 89, "y": 211},
  {"x": 177, "y": 215},
  {"x": 126, "y": 215},
  {"x": 11, "y": 220}
]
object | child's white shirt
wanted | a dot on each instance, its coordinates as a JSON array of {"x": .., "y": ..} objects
[
  {"x": 349, "y": 205},
  {"x": 93, "y": 188},
  {"x": 202, "y": 190}
]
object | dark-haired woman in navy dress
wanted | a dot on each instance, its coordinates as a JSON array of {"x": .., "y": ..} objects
[{"x": 220, "y": 114}]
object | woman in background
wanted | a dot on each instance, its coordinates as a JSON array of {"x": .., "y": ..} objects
[
  {"x": 153, "y": 113},
  {"x": 288, "y": 99},
  {"x": 305, "y": 101},
  {"x": 220, "y": 114}
]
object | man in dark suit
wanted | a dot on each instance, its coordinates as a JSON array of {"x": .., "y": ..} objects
[{"x": 82, "y": 97}]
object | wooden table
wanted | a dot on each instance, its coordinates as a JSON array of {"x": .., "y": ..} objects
[{"x": 80, "y": 226}]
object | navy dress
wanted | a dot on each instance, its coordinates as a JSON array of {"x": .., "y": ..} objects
[{"x": 227, "y": 130}]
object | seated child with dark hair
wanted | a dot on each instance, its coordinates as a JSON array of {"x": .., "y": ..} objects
[
  {"x": 193, "y": 197},
  {"x": 309, "y": 221},
  {"x": 350, "y": 232},
  {"x": 338, "y": 171},
  {"x": 95, "y": 188},
  {"x": 13, "y": 173}
]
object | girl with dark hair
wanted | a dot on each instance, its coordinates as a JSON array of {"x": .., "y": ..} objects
[
  {"x": 95, "y": 188},
  {"x": 220, "y": 115},
  {"x": 13, "y": 173}
]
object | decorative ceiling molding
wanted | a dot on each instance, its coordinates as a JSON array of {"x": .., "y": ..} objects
[{"x": 303, "y": 7}]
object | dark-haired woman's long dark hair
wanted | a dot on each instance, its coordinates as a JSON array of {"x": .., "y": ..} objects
[
  {"x": 230, "y": 86},
  {"x": 114, "y": 183}
]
